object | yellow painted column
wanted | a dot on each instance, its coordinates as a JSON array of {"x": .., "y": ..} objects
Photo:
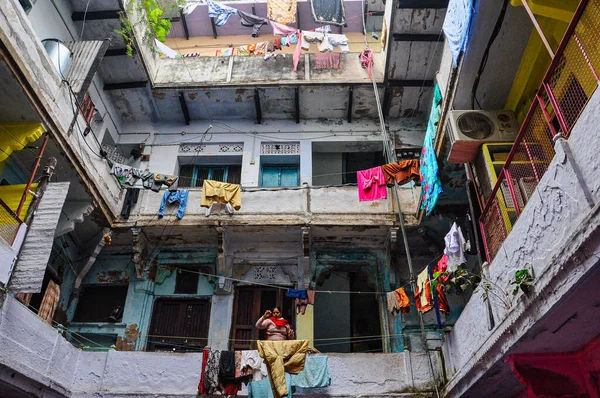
[{"x": 305, "y": 325}]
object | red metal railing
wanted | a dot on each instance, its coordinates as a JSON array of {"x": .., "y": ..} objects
[
  {"x": 566, "y": 88},
  {"x": 9, "y": 223}
]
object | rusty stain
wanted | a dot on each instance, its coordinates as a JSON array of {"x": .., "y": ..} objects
[
  {"x": 127, "y": 343},
  {"x": 192, "y": 96},
  {"x": 158, "y": 95},
  {"x": 112, "y": 276},
  {"x": 207, "y": 94}
]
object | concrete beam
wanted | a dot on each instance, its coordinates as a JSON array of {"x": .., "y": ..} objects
[
  {"x": 423, "y": 4},
  {"x": 124, "y": 86},
  {"x": 257, "y": 107},
  {"x": 410, "y": 83},
  {"x": 184, "y": 108},
  {"x": 95, "y": 15},
  {"x": 417, "y": 37},
  {"x": 350, "y": 98},
  {"x": 297, "y": 104}
]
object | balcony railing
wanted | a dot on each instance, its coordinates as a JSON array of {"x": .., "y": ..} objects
[
  {"x": 566, "y": 88},
  {"x": 9, "y": 223}
]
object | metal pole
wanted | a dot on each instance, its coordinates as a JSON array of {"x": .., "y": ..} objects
[
  {"x": 32, "y": 176},
  {"x": 538, "y": 28}
]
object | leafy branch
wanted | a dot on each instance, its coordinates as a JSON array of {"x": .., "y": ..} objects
[{"x": 523, "y": 280}]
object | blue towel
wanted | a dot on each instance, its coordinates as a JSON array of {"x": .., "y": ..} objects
[
  {"x": 457, "y": 26},
  {"x": 315, "y": 373},
  {"x": 221, "y": 13},
  {"x": 262, "y": 388},
  {"x": 432, "y": 187},
  {"x": 293, "y": 293}
]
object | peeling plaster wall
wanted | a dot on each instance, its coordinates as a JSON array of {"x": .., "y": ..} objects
[
  {"x": 557, "y": 221},
  {"x": 36, "y": 351}
]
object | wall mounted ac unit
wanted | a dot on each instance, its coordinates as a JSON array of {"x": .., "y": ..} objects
[{"x": 467, "y": 130}]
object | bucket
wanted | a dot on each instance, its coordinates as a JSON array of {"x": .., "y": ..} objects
[{"x": 59, "y": 53}]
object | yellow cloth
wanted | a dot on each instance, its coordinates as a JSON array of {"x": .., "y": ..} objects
[
  {"x": 281, "y": 357},
  {"x": 422, "y": 281},
  {"x": 282, "y": 11},
  {"x": 11, "y": 195},
  {"x": 15, "y": 136},
  {"x": 221, "y": 192}
]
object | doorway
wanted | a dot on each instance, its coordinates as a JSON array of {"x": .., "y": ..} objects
[{"x": 250, "y": 304}]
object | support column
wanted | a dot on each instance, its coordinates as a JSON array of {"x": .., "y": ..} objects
[{"x": 305, "y": 323}]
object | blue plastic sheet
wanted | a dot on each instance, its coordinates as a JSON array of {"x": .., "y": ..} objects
[
  {"x": 457, "y": 26},
  {"x": 432, "y": 187}
]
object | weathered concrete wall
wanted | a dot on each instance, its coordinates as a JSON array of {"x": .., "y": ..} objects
[
  {"x": 25, "y": 49},
  {"x": 34, "y": 349},
  {"x": 8, "y": 254},
  {"x": 557, "y": 221}
]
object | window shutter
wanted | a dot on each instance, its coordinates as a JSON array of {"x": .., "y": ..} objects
[
  {"x": 185, "y": 176},
  {"x": 202, "y": 175},
  {"x": 234, "y": 174}
]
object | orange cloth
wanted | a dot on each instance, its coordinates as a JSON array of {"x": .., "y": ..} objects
[
  {"x": 424, "y": 299},
  {"x": 402, "y": 171},
  {"x": 49, "y": 302},
  {"x": 403, "y": 301}
]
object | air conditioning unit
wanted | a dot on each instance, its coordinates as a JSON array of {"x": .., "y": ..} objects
[{"x": 467, "y": 130}]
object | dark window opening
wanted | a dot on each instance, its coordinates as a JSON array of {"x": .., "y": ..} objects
[
  {"x": 186, "y": 282},
  {"x": 191, "y": 176},
  {"x": 355, "y": 161},
  {"x": 101, "y": 303},
  {"x": 180, "y": 325}
]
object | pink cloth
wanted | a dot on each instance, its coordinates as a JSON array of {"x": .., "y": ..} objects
[
  {"x": 302, "y": 303},
  {"x": 297, "y": 52},
  {"x": 281, "y": 29},
  {"x": 327, "y": 61},
  {"x": 371, "y": 184}
]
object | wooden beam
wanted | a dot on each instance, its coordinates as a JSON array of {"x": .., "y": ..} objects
[
  {"x": 184, "y": 108},
  {"x": 417, "y": 37},
  {"x": 214, "y": 28},
  {"x": 410, "y": 83},
  {"x": 95, "y": 15},
  {"x": 297, "y": 104},
  {"x": 184, "y": 23},
  {"x": 350, "y": 99},
  {"x": 124, "y": 86},
  {"x": 423, "y": 4},
  {"x": 257, "y": 107}
]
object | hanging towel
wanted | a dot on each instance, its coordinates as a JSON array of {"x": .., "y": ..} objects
[
  {"x": 297, "y": 51},
  {"x": 327, "y": 61},
  {"x": 252, "y": 21},
  {"x": 282, "y": 30},
  {"x": 328, "y": 12},
  {"x": 340, "y": 41},
  {"x": 262, "y": 388},
  {"x": 302, "y": 303},
  {"x": 281, "y": 11},
  {"x": 220, "y": 12},
  {"x": 393, "y": 305},
  {"x": 221, "y": 192},
  {"x": 164, "y": 49},
  {"x": 251, "y": 359},
  {"x": 402, "y": 172},
  {"x": 283, "y": 357},
  {"x": 49, "y": 302},
  {"x": 432, "y": 187},
  {"x": 294, "y": 293},
  {"x": 457, "y": 26},
  {"x": 371, "y": 184},
  {"x": 455, "y": 246},
  {"x": 315, "y": 373}
]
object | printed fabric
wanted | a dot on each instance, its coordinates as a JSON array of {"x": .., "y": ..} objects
[
  {"x": 252, "y": 21},
  {"x": 281, "y": 11},
  {"x": 327, "y": 61},
  {"x": 432, "y": 187},
  {"x": 221, "y": 13},
  {"x": 457, "y": 26},
  {"x": 221, "y": 192},
  {"x": 262, "y": 388},
  {"x": 171, "y": 197},
  {"x": 328, "y": 11},
  {"x": 49, "y": 302},
  {"x": 282, "y": 30},
  {"x": 455, "y": 246},
  {"x": 315, "y": 373},
  {"x": 401, "y": 172},
  {"x": 211, "y": 372},
  {"x": 423, "y": 295},
  {"x": 283, "y": 357},
  {"x": 371, "y": 184}
]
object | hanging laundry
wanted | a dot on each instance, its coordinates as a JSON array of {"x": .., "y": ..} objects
[
  {"x": 227, "y": 365},
  {"x": 423, "y": 297},
  {"x": 371, "y": 184},
  {"x": 401, "y": 172},
  {"x": 164, "y": 49},
  {"x": 327, "y": 61},
  {"x": 282, "y": 11},
  {"x": 171, "y": 197},
  {"x": 328, "y": 11},
  {"x": 323, "y": 29},
  {"x": 301, "y": 304},
  {"x": 311, "y": 37},
  {"x": 220, "y": 12},
  {"x": 162, "y": 179},
  {"x": 258, "y": 368},
  {"x": 191, "y": 55},
  {"x": 242, "y": 50},
  {"x": 315, "y": 373},
  {"x": 252, "y": 21},
  {"x": 261, "y": 48},
  {"x": 49, "y": 302},
  {"x": 131, "y": 198},
  {"x": 147, "y": 179},
  {"x": 262, "y": 388},
  {"x": 457, "y": 27},
  {"x": 432, "y": 187},
  {"x": 190, "y": 5},
  {"x": 133, "y": 176},
  {"x": 281, "y": 30},
  {"x": 455, "y": 246},
  {"x": 282, "y": 357},
  {"x": 121, "y": 171},
  {"x": 226, "y": 53},
  {"x": 221, "y": 192},
  {"x": 441, "y": 267},
  {"x": 397, "y": 301},
  {"x": 294, "y": 38},
  {"x": 340, "y": 41},
  {"x": 297, "y": 52}
]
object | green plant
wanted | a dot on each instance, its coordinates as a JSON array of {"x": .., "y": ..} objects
[
  {"x": 523, "y": 280},
  {"x": 158, "y": 24}
]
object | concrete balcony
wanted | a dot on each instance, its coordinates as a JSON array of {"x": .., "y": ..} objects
[{"x": 265, "y": 206}]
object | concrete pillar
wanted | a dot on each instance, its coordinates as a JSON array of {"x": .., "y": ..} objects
[
  {"x": 221, "y": 315},
  {"x": 305, "y": 329}
]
